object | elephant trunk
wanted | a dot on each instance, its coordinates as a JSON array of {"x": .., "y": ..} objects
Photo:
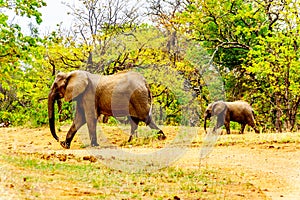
[
  {"x": 207, "y": 115},
  {"x": 205, "y": 118},
  {"x": 51, "y": 116}
]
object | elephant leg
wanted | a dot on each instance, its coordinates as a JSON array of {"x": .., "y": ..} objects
[
  {"x": 252, "y": 124},
  {"x": 255, "y": 129},
  {"x": 92, "y": 124},
  {"x": 242, "y": 129},
  {"x": 227, "y": 126},
  {"x": 134, "y": 124},
  {"x": 77, "y": 123},
  {"x": 152, "y": 125},
  {"x": 220, "y": 122}
]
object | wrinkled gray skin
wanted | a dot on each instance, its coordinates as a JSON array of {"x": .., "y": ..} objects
[
  {"x": 79, "y": 86},
  {"x": 238, "y": 111},
  {"x": 126, "y": 94}
]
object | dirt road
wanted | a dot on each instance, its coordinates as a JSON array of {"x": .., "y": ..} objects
[
  {"x": 272, "y": 167},
  {"x": 275, "y": 170}
]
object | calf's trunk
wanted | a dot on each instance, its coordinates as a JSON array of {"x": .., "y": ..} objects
[{"x": 205, "y": 118}]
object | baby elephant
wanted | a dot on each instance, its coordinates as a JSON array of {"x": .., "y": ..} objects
[
  {"x": 126, "y": 94},
  {"x": 238, "y": 111}
]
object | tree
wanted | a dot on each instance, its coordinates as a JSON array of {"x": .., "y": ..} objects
[
  {"x": 255, "y": 46},
  {"x": 275, "y": 62},
  {"x": 17, "y": 52},
  {"x": 96, "y": 24},
  {"x": 186, "y": 55}
]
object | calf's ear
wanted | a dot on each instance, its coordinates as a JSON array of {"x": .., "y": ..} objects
[{"x": 218, "y": 108}]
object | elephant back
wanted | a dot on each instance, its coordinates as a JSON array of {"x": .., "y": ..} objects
[
  {"x": 240, "y": 111},
  {"x": 123, "y": 94}
]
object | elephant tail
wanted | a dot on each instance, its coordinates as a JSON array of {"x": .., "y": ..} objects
[
  {"x": 149, "y": 94},
  {"x": 253, "y": 114},
  {"x": 148, "y": 119}
]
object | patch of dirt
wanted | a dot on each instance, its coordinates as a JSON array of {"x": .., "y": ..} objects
[{"x": 273, "y": 169}]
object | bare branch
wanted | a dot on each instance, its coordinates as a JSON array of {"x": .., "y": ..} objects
[{"x": 228, "y": 45}]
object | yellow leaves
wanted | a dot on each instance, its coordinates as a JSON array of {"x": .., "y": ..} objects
[{"x": 65, "y": 58}]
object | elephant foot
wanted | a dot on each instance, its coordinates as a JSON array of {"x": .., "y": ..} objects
[
  {"x": 161, "y": 135},
  {"x": 65, "y": 144},
  {"x": 130, "y": 138},
  {"x": 94, "y": 144}
]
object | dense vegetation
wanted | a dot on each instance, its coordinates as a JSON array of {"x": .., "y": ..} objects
[{"x": 183, "y": 48}]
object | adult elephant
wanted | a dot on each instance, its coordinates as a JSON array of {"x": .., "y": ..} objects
[
  {"x": 79, "y": 86},
  {"x": 237, "y": 111},
  {"x": 126, "y": 94}
]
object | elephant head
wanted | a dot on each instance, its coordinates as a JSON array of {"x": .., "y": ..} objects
[
  {"x": 219, "y": 109},
  {"x": 67, "y": 86}
]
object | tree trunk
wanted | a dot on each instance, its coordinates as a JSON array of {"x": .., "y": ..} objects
[
  {"x": 89, "y": 66},
  {"x": 278, "y": 124}
]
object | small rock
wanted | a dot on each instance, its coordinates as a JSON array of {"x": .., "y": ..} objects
[
  {"x": 45, "y": 157},
  {"x": 93, "y": 159},
  {"x": 90, "y": 158},
  {"x": 86, "y": 158},
  {"x": 62, "y": 157}
]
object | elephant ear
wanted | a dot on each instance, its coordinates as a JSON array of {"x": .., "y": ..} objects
[
  {"x": 77, "y": 82},
  {"x": 209, "y": 108},
  {"x": 218, "y": 108}
]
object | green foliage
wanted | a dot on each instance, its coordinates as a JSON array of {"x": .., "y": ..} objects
[
  {"x": 250, "y": 47},
  {"x": 255, "y": 46},
  {"x": 275, "y": 63},
  {"x": 21, "y": 79},
  {"x": 24, "y": 8}
]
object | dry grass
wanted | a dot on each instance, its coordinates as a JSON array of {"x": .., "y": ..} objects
[{"x": 34, "y": 166}]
